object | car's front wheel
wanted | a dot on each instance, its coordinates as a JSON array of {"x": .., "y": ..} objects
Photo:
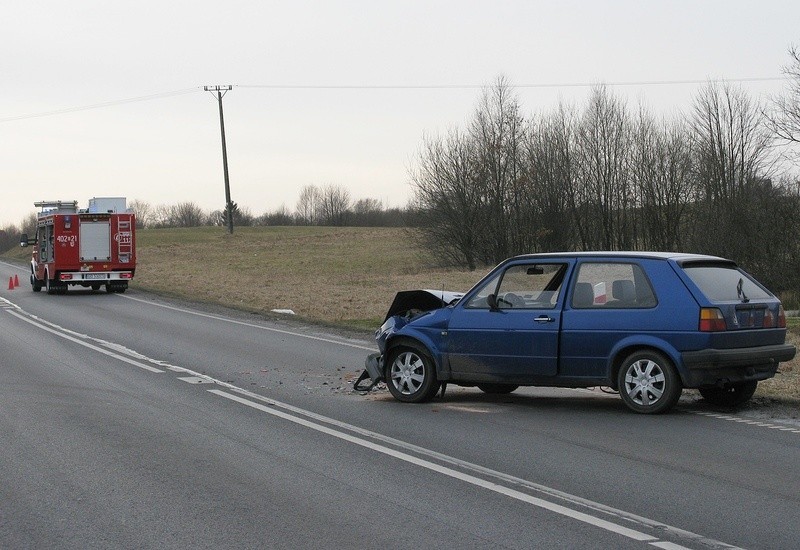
[
  {"x": 648, "y": 383},
  {"x": 411, "y": 375},
  {"x": 730, "y": 396}
]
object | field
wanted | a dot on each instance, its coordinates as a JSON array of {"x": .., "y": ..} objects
[{"x": 344, "y": 277}]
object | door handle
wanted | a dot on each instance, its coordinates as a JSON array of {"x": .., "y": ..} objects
[{"x": 544, "y": 319}]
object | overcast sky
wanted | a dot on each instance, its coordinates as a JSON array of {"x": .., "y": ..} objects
[{"x": 67, "y": 68}]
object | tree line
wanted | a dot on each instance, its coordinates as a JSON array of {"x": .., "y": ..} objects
[
  {"x": 329, "y": 205},
  {"x": 609, "y": 177}
]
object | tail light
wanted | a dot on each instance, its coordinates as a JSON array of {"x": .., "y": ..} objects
[
  {"x": 126, "y": 275},
  {"x": 65, "y": 276},
  {"x": 769, "y": 319},
  {"x": 712, "y": 320},
  {"x": 781, "y": 317}
]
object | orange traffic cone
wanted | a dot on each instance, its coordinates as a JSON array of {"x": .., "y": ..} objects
[
  {"x": 11, "y": 283},
  {"x": 16, "y": 281}
]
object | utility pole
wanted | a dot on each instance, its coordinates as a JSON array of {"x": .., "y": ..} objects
[{"x": 220, "y": 92}]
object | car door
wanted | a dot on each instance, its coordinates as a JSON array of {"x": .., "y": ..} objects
[{"x": 508, "y": 329}]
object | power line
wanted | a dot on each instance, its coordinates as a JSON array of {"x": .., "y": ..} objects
[
  {"x": 393, "y": 87},
  {"x": 104, "y": 104},
  {"x": 481, "y": 86}
]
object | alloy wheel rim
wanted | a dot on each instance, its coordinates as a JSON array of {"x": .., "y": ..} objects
[
  {"x": 645, "y": 382},
  {"x": 408, "y": 373}
]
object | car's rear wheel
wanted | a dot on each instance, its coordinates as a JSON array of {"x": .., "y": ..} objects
[
  {"x": 411, "y": 375},
  {"x": 648, "y": 383},
  {"x": 497, "y": 388},
  {"x": 730, "y": 396}
]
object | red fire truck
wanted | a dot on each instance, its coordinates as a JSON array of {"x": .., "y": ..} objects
[{"x": 92, "y": 248}]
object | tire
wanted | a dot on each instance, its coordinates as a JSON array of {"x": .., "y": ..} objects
[
  {"x": 411, "y": 375},
  {"x": 730, "y": 396},
  {"x": 36, "y": 284},
  {"x": 648, "y": 382},
  {"x": 49, "y": 284},
  {"x": 497, "y": 389}
]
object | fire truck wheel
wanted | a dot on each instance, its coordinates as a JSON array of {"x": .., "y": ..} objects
[
  {"x": 95, "y": 287},
  {"x": 49, "y": 284},
  {"x": 36, "y": 284}
]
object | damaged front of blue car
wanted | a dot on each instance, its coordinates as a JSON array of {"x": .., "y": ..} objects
[{"x": 418, "y": 316}]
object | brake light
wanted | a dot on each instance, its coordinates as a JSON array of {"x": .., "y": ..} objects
[
  {"x": 769, "y": 319},
  {"x": 65, "y": 276},
  {"x": 781, "y": 317},
  {"x": 126, "y": 276},
  {"x": 711, "y": 320}
]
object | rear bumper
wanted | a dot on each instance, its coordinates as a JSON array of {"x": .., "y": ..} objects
[
  {"x": 719, "y": 367},
  {"x": 94, "y": 277}
]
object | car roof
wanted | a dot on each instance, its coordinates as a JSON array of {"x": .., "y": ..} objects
[{"x": 621, "y": 254}]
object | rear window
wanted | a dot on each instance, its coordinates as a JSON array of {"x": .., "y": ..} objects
[{"x": 725, "y": 283}]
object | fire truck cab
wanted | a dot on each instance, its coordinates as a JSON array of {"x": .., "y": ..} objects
[{"x": 92, "y": 248}]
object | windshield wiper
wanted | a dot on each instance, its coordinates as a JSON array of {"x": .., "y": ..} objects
[{"x": 742, "y": 296}]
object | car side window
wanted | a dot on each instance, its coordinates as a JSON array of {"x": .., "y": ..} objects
[
  {"x": 612, "y": 285},
  {"x": 523, "y": 286}
]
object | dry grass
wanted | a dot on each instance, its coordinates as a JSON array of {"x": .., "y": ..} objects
[
  {"x": 787, "y": 382},
  {"x": 329, "y": 275}
]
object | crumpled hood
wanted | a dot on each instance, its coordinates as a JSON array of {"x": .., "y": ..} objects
[{"x": 421, "y": 301}]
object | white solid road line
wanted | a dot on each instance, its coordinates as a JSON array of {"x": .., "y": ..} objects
[
  {"x": 273, "y": 407},
  {"x": 557, "y": 508},
  {"x": 253, "y": 325},
  {"x": 62, "y": 334}
]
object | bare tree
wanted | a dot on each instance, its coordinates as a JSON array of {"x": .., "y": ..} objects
[
  {"x": 499, "y": 134},
  {"x": 162, "y": 216},
  {"x": 447, "y": 198},
  {"x": 367, "y": 212},
  {"x": 603, "y": 193},
  {"x": 308, "y": 204},
  {"x": 187, "y": 214},
  {"x": 144, "y": 212},
  {"x": 730, "y": 143},
  {"x": 661, "y": 168},
  {"x": 549, "y": 162},
  {"x": 280, "y": 216},
  {"x": 334, "y": 205},
  {"x": 785, "y": 116}
]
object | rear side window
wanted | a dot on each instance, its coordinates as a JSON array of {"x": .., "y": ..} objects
[
  {"x": 725, "y": 283},
  {"x": 612, "y": 285}
]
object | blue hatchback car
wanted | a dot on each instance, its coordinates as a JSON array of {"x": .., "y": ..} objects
[{"x": 644, "y": 323}]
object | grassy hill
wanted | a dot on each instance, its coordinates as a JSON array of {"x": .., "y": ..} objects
[{"x": 345, "y": 276}]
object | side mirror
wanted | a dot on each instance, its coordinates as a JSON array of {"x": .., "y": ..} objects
[
  {"x": 23, "y": 240},
  {"x": 491, "y": 300}
]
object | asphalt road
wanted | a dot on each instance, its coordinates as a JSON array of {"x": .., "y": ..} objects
[{"x": 129, "y": 421}]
